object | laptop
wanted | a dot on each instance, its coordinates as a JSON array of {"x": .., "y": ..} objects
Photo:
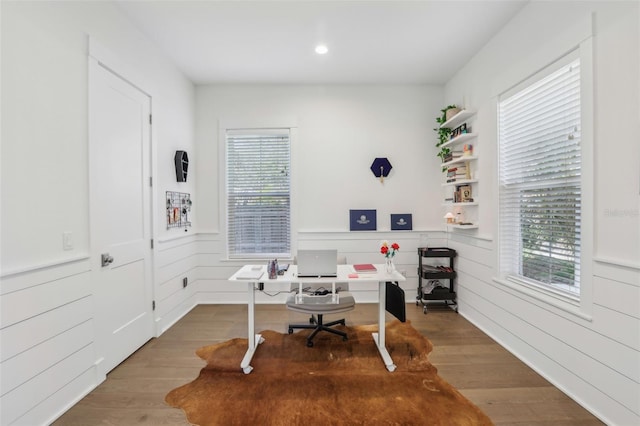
[{"x": 317, "y": 263}]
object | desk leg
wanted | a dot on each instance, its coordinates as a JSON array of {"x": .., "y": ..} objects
[
  {"x": 379, "y": 337},
  {"x": 253, "y": 339}
]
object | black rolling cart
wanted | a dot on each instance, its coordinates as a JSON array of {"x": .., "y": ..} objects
[{"x": 432, "y": 275}]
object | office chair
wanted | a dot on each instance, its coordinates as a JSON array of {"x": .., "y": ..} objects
[{"x": 317, "y": 311}]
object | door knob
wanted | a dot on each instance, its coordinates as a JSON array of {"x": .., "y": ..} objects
[{"x": 106, "y": 259}]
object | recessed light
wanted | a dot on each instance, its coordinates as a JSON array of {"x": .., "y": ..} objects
[{"x": 321, "y": 49}]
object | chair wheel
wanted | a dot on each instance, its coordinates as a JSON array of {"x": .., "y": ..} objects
[
  {"x": 344, "y": 339},
  {"x": 310, "y": 343},
  {"x": 312, "y": 320},
  {"x": 290, "y": 330}
]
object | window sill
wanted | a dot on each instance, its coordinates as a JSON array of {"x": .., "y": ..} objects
[{"x": 557, "y": 299}]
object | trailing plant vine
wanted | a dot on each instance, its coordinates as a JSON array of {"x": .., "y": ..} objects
[{"x": 444, "y": 134}]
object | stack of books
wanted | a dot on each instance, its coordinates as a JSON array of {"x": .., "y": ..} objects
[
  {"x": 460, "y": 171},
  {"x": 456, "y": 173},
  {"x": 453, "y": 155}
]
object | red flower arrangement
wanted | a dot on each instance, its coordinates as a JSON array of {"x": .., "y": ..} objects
[{"x": 389, "y": 250}]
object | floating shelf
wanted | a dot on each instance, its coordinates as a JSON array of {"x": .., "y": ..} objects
[
  {"x": 462, "y": 138},
  {"x": 459, "y": 118},
  {"x": 463, "y": 226},
  {"x": 471, "y": 203},
  {"x": 460, "y": 182},
  {"x": 462, "y": 159}
]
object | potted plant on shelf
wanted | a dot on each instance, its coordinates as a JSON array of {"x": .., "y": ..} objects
[{"x": 444, "y": 133}]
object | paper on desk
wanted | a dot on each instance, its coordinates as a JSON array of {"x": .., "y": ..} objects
[{"x": 250, "y": 273}]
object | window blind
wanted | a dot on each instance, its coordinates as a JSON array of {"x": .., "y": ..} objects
[
  {"x": 540, "y": 181},
  {"x": 258, "y": 193}
]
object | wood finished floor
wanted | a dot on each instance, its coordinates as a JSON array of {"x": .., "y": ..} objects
[{"x": 508, "y": 391}]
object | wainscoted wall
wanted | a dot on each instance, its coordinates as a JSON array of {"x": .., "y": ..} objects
[
  {"x": 358, "y": 247},
  {"x": 174, "y": 260},
  {"x": 47, "y": 356},
  {"x": 48, "y": 346},
  {"x": 595, "y": 362},
  {"x": 592, "y": 355}
]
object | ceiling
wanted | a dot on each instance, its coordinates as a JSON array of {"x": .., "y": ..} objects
[{"x": 272, "y": 42}]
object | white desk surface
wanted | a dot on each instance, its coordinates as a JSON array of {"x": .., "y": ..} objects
[{"x": 346, "y": 273}]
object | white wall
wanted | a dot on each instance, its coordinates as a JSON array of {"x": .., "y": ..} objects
[
  {"x": 47, "y": 351},
  {"x": 341, "y": 130},
  {"x": 595, "y": 358}
]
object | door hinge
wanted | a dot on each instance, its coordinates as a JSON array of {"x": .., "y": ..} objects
[
  {"x": 153, "y": 305},
  {"x": 151, "y": 181},
  {"x": 150, "y": 119},
  {"x": 152, "y": 243}
]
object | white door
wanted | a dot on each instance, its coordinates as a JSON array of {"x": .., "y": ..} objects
[{"x": 120, "y": 215}]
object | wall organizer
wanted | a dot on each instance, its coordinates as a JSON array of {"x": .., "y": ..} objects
[{"x": 178, "y": 209}]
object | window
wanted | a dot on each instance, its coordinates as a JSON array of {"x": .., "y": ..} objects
[
  {"x": 540, "y": 191},
  {"x": 258, "y": 193}
]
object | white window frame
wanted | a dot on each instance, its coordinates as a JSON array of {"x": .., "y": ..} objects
[
  {"x": 225, "y": 195},
  {"x": 581, "y": 303}
]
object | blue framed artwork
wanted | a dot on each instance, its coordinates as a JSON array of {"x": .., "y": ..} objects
[
  {"x": 401, "y": 222},
  {"x": 362, "y": 220}
]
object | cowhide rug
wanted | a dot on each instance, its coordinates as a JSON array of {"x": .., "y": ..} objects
[{"x": 335, "y": 382}]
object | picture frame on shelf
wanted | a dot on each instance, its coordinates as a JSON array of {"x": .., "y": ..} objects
[
  {"x": 466, "y": 194},
  {"x": 401, "y": 222},
  {"x": 362, "y": 220}
]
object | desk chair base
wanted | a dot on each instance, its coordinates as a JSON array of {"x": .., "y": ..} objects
[{"x": 318, "y": 326}]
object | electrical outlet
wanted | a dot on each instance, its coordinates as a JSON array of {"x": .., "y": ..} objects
[
  {"x": 185, "y": 281},
  {"x": 67, "y": 240},
  {"x": 261, "y": 286}
]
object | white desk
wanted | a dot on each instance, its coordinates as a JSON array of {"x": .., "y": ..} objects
[{"x": 246, "y": 274}]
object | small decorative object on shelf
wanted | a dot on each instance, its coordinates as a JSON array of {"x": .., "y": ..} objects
[
  {"x": 389, "y": 251},
  {"x": 465, "y": 193},
  {"x": 450, "y": 217}
]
